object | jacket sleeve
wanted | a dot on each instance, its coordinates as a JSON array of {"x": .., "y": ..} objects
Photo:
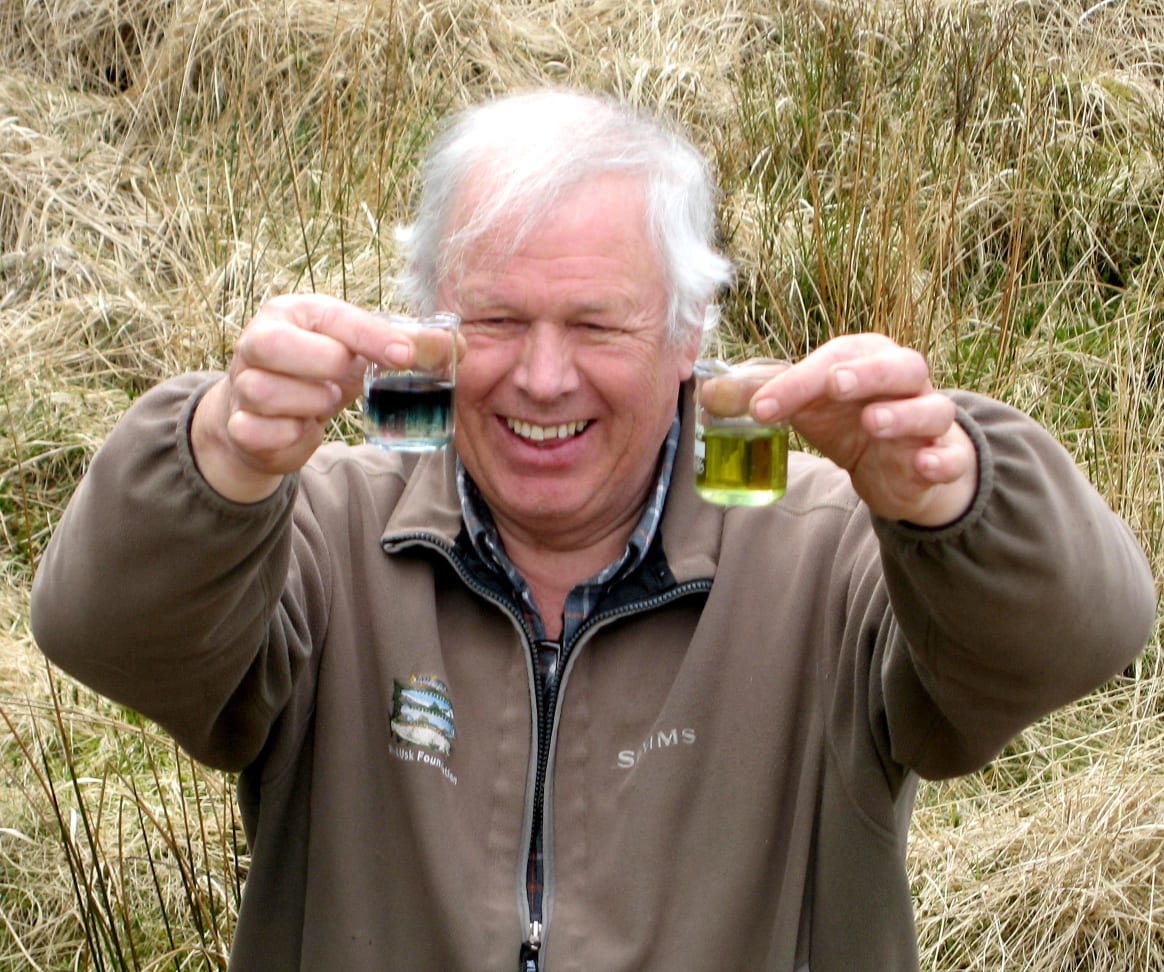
[
  {"x": 172, "y": 600},
  {"x": 1035, "y": 597}
]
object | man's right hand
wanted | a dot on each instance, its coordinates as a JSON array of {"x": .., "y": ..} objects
[{"x": 297, "y": 364}]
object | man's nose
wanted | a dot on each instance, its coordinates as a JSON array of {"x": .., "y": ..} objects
[{"x": 546, "y": 368}]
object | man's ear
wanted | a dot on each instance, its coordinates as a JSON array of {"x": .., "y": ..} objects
[{"x": 689, "y": 351}]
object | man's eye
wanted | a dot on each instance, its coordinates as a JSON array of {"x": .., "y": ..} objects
[{"x": 491, "y": 323}]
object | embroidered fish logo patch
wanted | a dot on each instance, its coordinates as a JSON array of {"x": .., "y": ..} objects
[{"x": 422, "y": 714}]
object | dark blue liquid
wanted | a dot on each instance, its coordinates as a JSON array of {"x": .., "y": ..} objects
[{"x": 409, "y": 412}]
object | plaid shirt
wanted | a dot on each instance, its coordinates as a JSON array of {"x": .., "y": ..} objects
[{"x": 580, "y": 602}]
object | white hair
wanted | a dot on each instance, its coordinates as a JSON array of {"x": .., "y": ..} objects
[{"x": 534, "y": 146}]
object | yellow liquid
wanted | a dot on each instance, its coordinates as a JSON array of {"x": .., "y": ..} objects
[{"x": 741, "y": 467}]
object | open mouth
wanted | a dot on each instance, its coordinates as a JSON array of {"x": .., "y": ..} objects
[{"x": 545, "y": 433}]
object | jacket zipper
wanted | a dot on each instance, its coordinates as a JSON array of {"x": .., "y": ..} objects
[
  {"x": 528, "y": 951},
  {"x": 546, "y": 715},
  {"x": 527, "y": 958},
  {"x": 545, "y": 705},
  {"x": 547, "y": 710}
]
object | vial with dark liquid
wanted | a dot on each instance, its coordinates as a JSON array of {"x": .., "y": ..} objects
[
  {"x": 409, "y": 412},
  {"x": 412, "y": 409}
]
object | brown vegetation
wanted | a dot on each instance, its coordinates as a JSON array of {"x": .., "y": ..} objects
[{"x": 983, "y": 180}]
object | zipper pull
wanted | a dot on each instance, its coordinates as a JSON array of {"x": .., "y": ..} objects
[{"x": 527, "y": 958}]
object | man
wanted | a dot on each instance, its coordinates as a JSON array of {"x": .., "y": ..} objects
[{"x": 657, "y": 734}]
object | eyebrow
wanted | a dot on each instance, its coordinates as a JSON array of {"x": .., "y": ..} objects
[
  {"x": 490, "y": 302},
  {"x": 483, "y": 292}
]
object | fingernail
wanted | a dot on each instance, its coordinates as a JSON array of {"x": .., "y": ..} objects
[
  {"x": 398, "y": 353},
  {"x": 766, "y": 409},
  {"x": 883, "y": 419},
  {"x": 845, "y": 379}
]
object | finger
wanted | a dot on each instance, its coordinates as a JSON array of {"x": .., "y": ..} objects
[
  {"x": 277, "y": 444},
  {"x": 731, "y": 393},
  {"x": 847, "y": 368},
  {"x": 951, "y": 471},
  {"x": 351, "y": 383},
  {"x": 722, "y": 396},
  {"x": 362, "y": 332},
  {"x": 435, "y": 348},
  {"x": 924, "y": 417},
  {"x": 269, "y": 393},
  {"x": 273, "y": 344},
  {"x": 893, "y": 372},
  {"x": 790, "y": 391},
  {"x": 947, "y": 461}
]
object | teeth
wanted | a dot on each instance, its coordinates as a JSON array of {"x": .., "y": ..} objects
[{"x": 539, "y": 433}]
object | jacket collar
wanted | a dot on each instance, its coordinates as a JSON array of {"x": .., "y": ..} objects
[{"x": 691, "y": 528}]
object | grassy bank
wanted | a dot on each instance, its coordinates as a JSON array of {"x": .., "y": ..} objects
[{"x": 982, "y": 181}]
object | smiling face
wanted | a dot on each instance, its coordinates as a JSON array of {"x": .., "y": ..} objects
[{"x": 570, "y": 384}]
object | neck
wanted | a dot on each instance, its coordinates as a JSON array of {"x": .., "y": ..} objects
[{"x": 553, "y": 570}]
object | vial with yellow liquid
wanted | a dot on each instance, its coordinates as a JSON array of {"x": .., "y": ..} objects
[{"x": 738, "y": 461}]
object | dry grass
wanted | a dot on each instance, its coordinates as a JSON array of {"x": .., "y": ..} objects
[
  {"x": 983, "y": 180},
  {"x": 1051, "y": 860}
]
